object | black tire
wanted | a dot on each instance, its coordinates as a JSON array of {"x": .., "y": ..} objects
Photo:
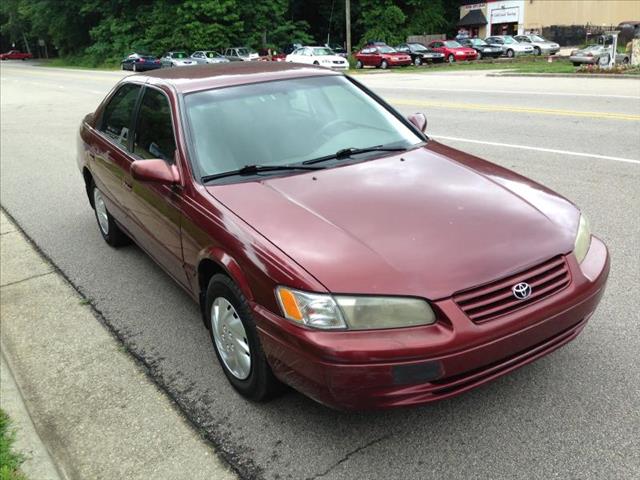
[
  {"x": 417, "y": 61},
  {"x": 451, "y": 58},
  {"x": 359, "y": 64},
  {"x": 135, "y": 67},
  {"x": 384, "y": 65},
  {"x": 122, "y": 66},
  {"x": 625, "y": 60},
  {"x": 316, "y": 63},
  {"x": 576, "y": 64},
  {"x": 479, "y": 57},
  {"x": 112, "y": 234},
  {"x": 537, "y": 51},
  {"x": 510, "y": 53},
  {"x": 261, "y": 384}
]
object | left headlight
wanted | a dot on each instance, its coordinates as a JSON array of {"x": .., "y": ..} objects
[
  {"x": 353, "y": 312},
  {"x": 583, "y": 239}
]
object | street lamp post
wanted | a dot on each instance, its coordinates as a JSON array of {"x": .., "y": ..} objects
[{"x": 347, "y": 14}]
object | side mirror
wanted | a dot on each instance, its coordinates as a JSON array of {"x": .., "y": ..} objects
[
  {"x": 419, "y": 120},
  {"x": 155, "y": 171}
]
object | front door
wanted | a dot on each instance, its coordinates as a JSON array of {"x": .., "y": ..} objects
[{"x": 155, "y": 209}]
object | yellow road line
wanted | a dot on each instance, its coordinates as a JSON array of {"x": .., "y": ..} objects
[{"x": 513, "y": 109}]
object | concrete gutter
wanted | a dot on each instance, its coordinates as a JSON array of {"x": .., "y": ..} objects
[{"x": 92, "y": 405}]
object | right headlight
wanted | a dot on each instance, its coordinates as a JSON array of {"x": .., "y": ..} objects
[
  {"x": 583, "y": 239},
  {"x": 355, "y": 312}
]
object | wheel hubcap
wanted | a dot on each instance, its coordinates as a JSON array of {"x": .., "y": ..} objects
[
  {"x": 231, "y": 338},
  {"x": 101, "y": 211}
]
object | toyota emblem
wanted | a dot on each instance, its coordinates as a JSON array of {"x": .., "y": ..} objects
[{"x": 521, "y": 290}]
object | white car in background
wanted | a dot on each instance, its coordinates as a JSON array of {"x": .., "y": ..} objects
[
  {"x": 541, "y": 46},
  {"x": 323, "y": 56},
  {"x": 510, "y": 46}
]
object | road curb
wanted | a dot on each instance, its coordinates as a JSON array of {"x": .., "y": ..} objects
[
  {"x": 93, "y": 406},
  {"x": 38, "y": 463},
  {"x": 567, "y": 75}
]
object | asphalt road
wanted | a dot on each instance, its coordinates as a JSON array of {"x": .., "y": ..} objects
[{"x": 572, "y": 414}]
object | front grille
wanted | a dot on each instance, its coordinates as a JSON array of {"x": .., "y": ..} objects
[{"x": 495, "y": 299}]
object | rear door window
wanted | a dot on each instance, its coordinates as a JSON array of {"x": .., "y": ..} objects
[
  {"x": 154, "y": 136},
  {"x": 117, "y": 116}
]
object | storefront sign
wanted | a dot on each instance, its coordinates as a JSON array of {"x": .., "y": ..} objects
[
  {"x": 505, "y": 15},
  {"x": 474, "y": 6}
]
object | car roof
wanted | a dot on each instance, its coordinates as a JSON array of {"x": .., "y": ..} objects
[{"x": 205, "y": 77}]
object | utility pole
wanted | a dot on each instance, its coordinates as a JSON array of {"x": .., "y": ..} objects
[{"x": 347, "y": 13}]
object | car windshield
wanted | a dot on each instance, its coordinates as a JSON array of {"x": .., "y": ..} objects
[
  {"x": 418, "y": 47},
  {"x": 179, "y": 55},
  {"x": 245, "y": 52},
  {"x": 309, "y": 118},
  {"x": 322, "y": 51},
  {"x": 386, "y": 49},
  {"x": 452, "y": 44},
  {"x": 477, "y": 41},
  {"x": 536, "y": 38},
  {"x": 509, "y": 40}
]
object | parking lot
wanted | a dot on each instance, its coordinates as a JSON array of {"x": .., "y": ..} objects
[{"x": 572, "y": 414}]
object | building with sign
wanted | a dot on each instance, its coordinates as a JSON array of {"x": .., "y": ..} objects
[{"x": 517, "y": 17}]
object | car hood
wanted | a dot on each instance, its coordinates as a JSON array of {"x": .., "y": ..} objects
[{"x": 419, "y": 224}]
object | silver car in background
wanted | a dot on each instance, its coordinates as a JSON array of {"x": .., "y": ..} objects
[
  {"x": 208, "y": 56},
  {"x": 510, "y": 46},
  {"x": 541, "y": 46},
  {"x": 596, "y": 55},
  {"x": 176, "y": 59},
  {"x": 241, "y": 53}
]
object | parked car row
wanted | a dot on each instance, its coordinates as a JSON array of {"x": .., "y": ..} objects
[
  {"x": 139, "y": 62},
  {"x": 381, "y": 55}
]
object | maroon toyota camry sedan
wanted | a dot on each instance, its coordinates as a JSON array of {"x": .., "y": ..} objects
[{"x": 331, "y": 245}]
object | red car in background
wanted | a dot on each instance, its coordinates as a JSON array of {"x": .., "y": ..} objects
[
  {"x": 381, "y": 56},
  {"x": 15, "y": 55},
  {"x": 453, "y": 51}
]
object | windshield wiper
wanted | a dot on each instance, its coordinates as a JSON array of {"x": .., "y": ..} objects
[
  {"x": 253, "y": 169},
  {"x": 348, "y": 152}
]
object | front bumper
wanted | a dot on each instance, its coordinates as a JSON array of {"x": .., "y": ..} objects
[{"x": 411, "y": 366}]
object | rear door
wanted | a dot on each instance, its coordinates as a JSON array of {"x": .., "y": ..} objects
[
  {"x": 156, "y": 209},
  {"x": 109, "y": 155}
]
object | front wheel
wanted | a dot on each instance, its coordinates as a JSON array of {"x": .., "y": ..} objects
[
  {"x": 576, "y": 64},
  {"x": 359, "y": 64},
  {"x": 451, "y": 58},
  {"x": 417, "y": 62},
  {"x": 236, "y": 342},
  {"x": 109, "y": 229},
  {"x": 479, "y": 57},
  {"x": 510, "y": 53},
  {"x": 537, "y": 51},
  {"x": 384, "y": 65}
]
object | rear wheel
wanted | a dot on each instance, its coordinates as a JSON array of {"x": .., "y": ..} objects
[
  {"x": 236, "y": 342},
  {"x": 109, "y": 229},
  {"x": 510, "y": 53},
  {"x": 135, "y": 67},
  {"x": 576, "y": 64}
]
